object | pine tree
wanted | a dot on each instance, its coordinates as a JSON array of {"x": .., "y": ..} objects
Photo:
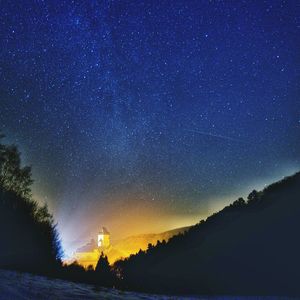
[{"x": 103, "y": 271}]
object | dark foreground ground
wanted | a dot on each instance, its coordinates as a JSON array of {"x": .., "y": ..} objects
[{"x": 16, "y": 285}]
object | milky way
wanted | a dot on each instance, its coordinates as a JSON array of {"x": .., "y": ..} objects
[{"x": 149, "y": 112}]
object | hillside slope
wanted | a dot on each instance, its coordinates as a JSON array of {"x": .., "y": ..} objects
[
  {"x": 133, "y": 244},
  {"x": 247, "y": 248},
  {"x": 88, "y": 254}
]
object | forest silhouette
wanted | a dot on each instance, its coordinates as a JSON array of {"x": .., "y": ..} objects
[
  {"x": 29, "y": 239},
  {"x": 251, "y": 247}
]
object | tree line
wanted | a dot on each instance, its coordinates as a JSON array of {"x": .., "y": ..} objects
[
  {"x": 251, "y": 247},
  {"x": 29, "y": 238}
]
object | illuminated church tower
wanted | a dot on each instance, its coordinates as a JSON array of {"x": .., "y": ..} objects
[{"x": 103, "y": 238}]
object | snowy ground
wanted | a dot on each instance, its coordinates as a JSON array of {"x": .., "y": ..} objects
[{"x": 15, "y": 286}]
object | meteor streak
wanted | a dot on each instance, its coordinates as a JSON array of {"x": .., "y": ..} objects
[{"x": 219, "y": 136}]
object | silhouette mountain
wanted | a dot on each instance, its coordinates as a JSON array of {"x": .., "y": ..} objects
[{"x": 249, "y": 248}]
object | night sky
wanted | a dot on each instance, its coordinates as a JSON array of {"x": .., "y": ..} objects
[{"x": 148, "y": 115}]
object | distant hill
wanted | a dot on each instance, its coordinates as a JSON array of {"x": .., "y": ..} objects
[
  {"x": 249, "y": 248},
  {"x": 133, "y": 244},
  {"x": 123, "y": 247}
]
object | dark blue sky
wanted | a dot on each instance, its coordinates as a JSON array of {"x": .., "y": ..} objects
[{"x": 143, "y": 115}]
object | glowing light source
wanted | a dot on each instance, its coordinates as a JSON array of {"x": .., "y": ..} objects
[{"x": 104, "y": 238}]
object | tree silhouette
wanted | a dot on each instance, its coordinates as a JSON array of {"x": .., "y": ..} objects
[
  {"x": 253, "y": 197},
  {"x": 103, "y": 271},
  {"x": 29, "y": 235},
  {"x": 12, "y": 176}
]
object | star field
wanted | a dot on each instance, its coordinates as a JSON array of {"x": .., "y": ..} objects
[{"x": 143, "y": 115}]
